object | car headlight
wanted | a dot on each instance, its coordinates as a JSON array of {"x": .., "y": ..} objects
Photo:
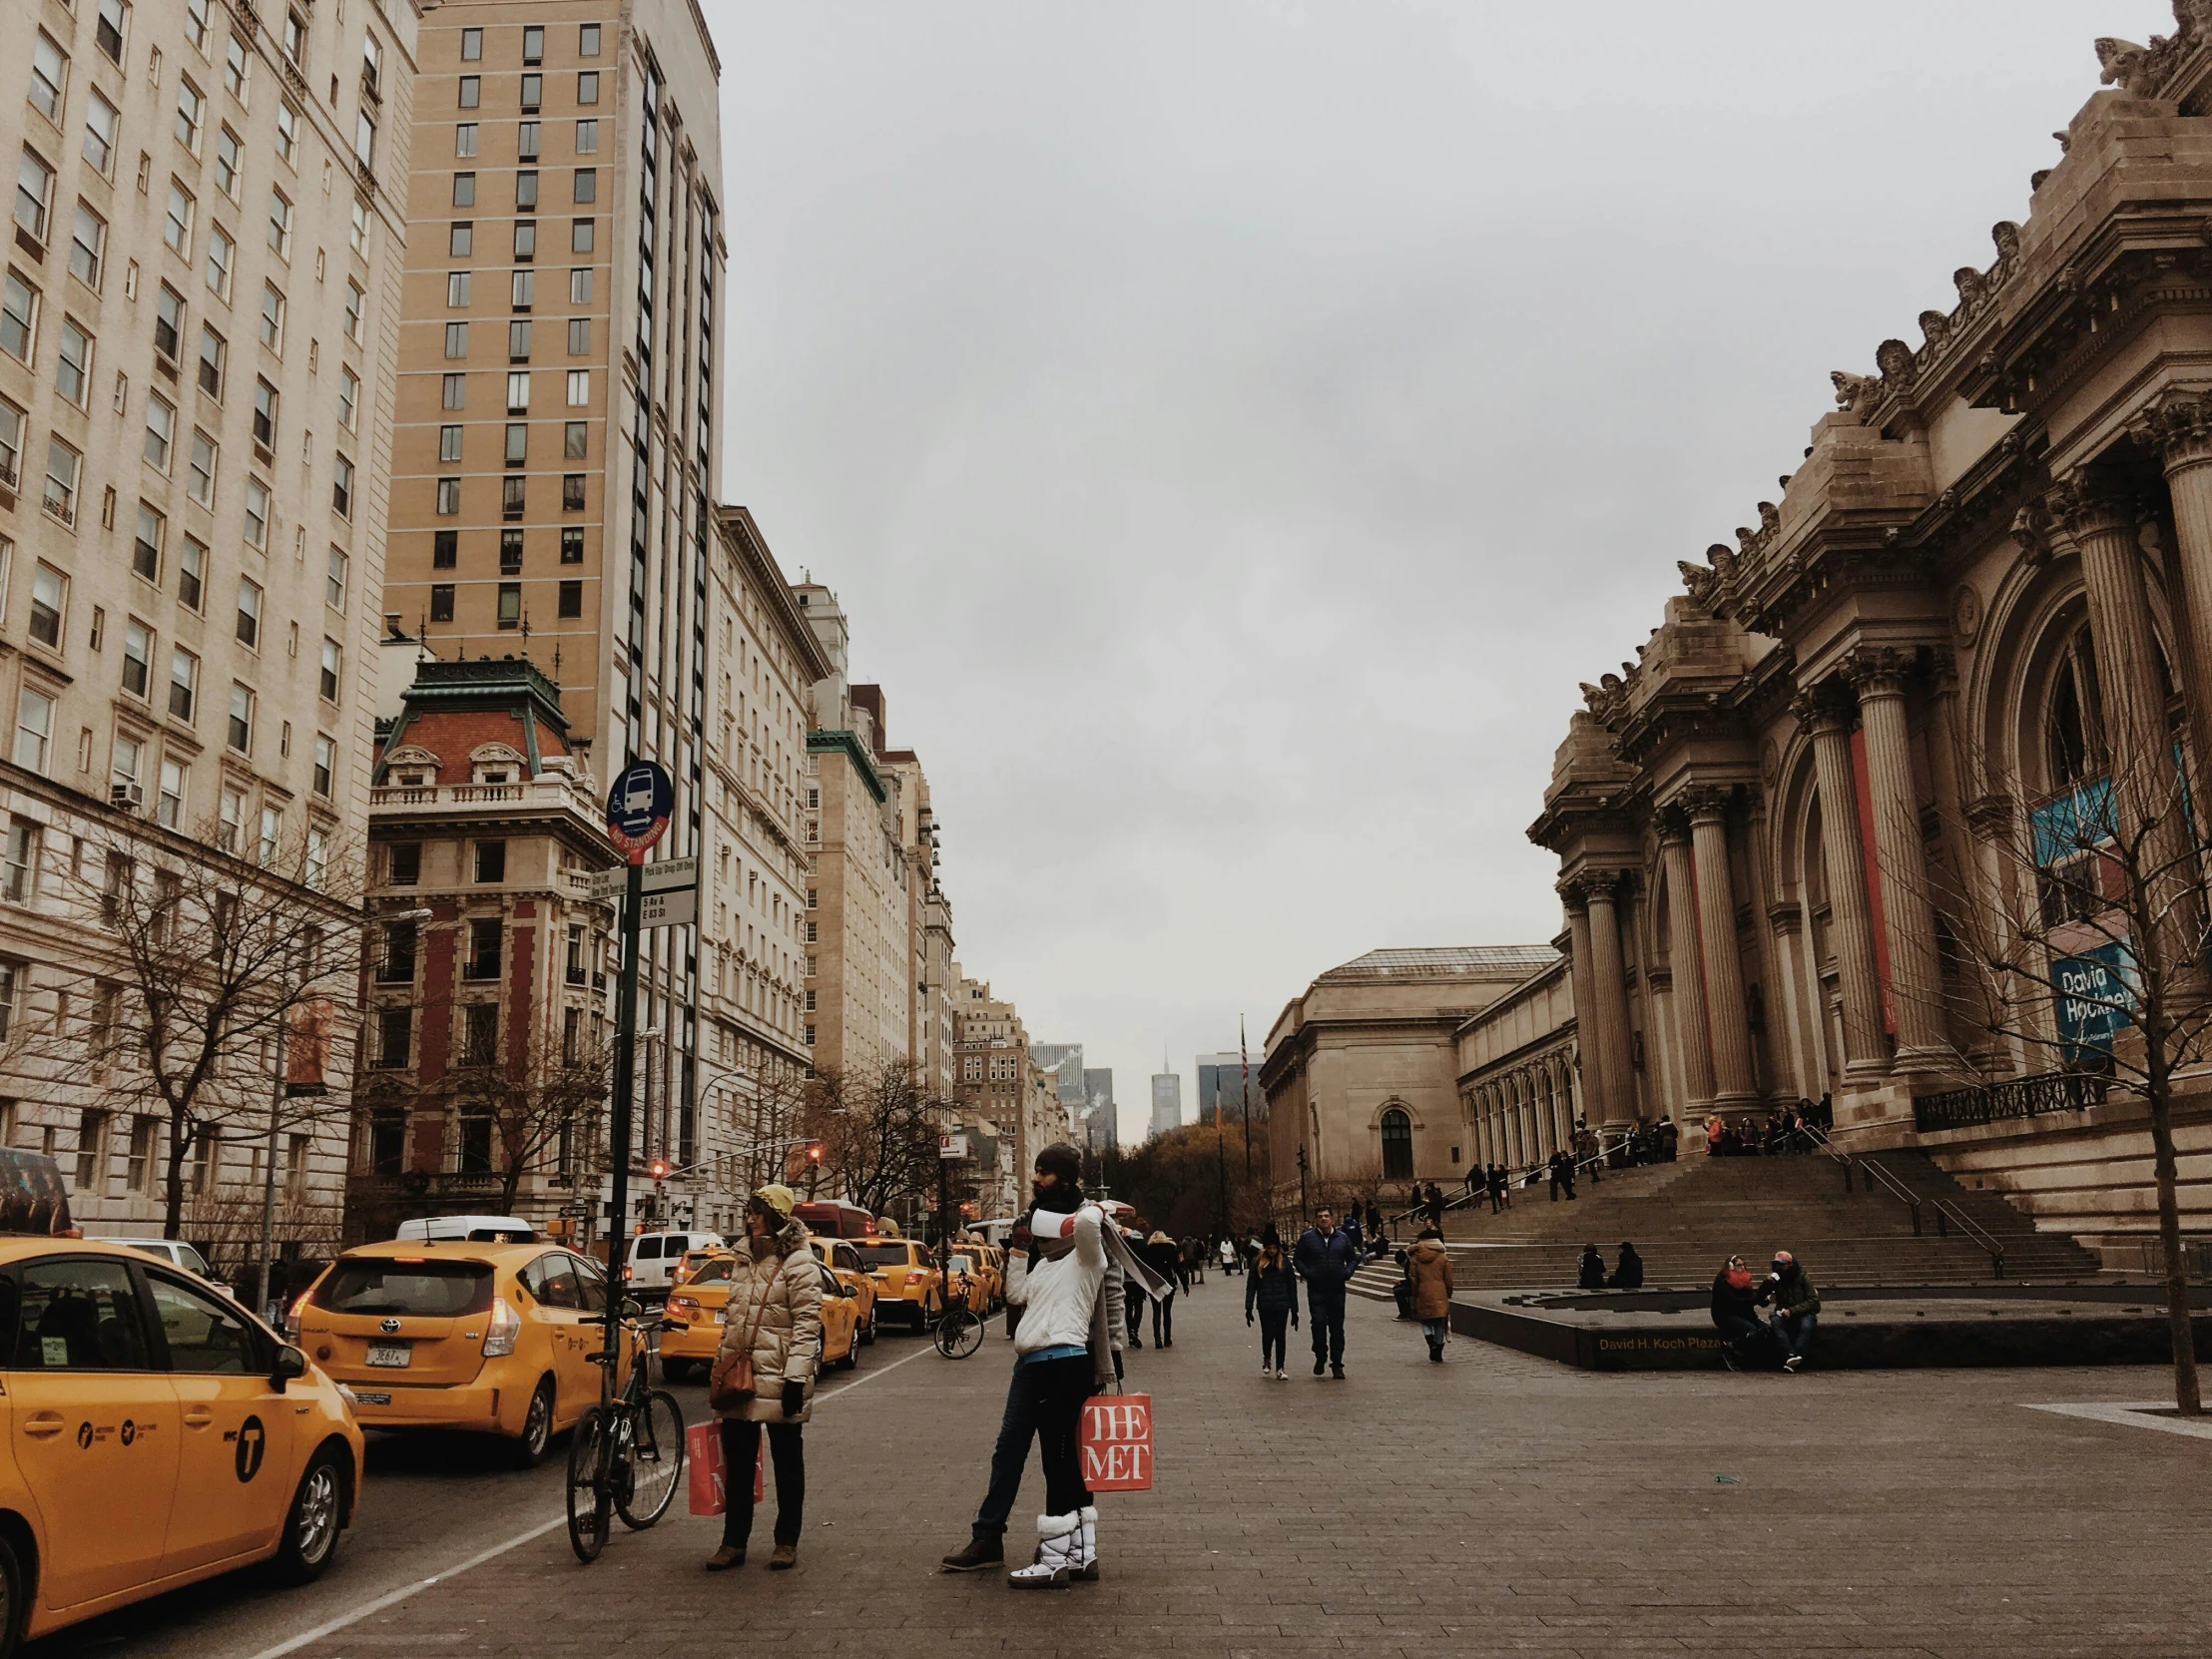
[{"x": 505, "y": 1327}]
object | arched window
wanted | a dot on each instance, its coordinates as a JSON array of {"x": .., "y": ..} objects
[
  {"x": 2073, "y": 722},
  {"x": 1397, "y": 1146}
]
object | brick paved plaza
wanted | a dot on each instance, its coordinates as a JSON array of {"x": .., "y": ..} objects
[{"x": 1497, "y": 1504}]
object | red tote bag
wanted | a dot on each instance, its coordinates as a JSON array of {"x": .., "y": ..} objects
[
  {"x": 1117, "y": 1442},
  {"x": 710, "y": 1475}
]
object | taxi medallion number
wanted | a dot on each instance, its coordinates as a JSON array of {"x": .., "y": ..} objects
[{"x": 390, "y": 1353}]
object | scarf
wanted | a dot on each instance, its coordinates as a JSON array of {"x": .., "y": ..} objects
[{"x": 1052, "y": 1236}]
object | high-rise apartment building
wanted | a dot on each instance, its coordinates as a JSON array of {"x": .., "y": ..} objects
[
  {"x": 197, "y": 339},
  {"x": 1167, "y": 1102},
  {"x": 754, "y": 879},
  {"x": 993, "y": 1084},
  {"x": 555, "y": 453},
  {"x": 1230, "y": 1084},
  {"x": 1102, "y": 1128}
]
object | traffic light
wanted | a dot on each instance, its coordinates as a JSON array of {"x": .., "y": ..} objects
[
  {"x": 814, "y": 1153},
  {"x": 658, "y": 1169}
]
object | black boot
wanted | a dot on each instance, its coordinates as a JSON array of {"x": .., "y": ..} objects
[{"x": 979, "y": 1554}]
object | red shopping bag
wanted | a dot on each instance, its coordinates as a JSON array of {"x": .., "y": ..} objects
[
  {"x": 709, "y": 1475},
  {"x": 1117, "y": 1442}
]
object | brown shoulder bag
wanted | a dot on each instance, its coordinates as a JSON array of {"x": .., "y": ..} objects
[{"x": 734, "y": 1391}]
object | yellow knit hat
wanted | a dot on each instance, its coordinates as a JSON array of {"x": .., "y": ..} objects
[{"x": 781, "y": 1199}]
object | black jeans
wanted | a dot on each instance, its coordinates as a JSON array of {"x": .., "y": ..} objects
[
  {"x": 1325, "y": 1311},
  {"x": 1133, "y": 1298},
  {"x": 741, "y": 1445},
  {"x": 1163, "y": 1322},
  {"x": 1044, "y": 1401},
  {"x": 1274, "y": 1322}
]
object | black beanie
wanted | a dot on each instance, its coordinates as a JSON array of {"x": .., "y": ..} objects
[{"x": 1062, "y": 1160}]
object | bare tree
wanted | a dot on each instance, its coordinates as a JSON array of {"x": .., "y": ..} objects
[
  {"x": 535, "y": 1118},
  {"x": 2077, "y": 939},
  {"x": 878, "y": 1132},
  {"x": 188, "y": 973}
]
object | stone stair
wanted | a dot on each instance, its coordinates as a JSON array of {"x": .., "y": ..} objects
[{"x": 1687, "y": 1217}]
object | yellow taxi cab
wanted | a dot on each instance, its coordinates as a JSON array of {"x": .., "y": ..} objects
[
  {"x": 693, "y": 1318},
  {"x": 909, "y": 1288},
  {"x": 692, "y": 1261},
  {"x": 494, "y": 1338},
  {"x": 843, "y": 1260},
  {"x": 156, "y": 1433},
  {"x": 991, "y": 1262}
]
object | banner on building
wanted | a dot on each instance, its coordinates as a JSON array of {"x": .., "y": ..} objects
[{"x": 308, "y": 1048}]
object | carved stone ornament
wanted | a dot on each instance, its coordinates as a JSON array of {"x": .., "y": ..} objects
[
  {"x": 1878, "y": 670},
  {"x": 1966, "y": 614},
  {"x": 2083, "y": 507},
  {"x": 2124, "y": 64},
  {"x": 1935, "y": 325},
  {"x": 1702, "y": 583},
  {"x": 1707, "y": 801},
  {"x": 1973, "y": 289},
  {"x": 1769, "y": 518},
  {"x": 1723, "y": 560},
  {"x": 1821, "y": 707},
  {"x": 1895, "y": 358},
  {"x": 2007, "y": 236},
  {"x": 1770, "y": 763},
  {"x": 2031, "y": 530},
  {"x": 2178, "y": 429},
  {"x": 1607, "y": 700},
  {"x": 1852, "y": 390}
]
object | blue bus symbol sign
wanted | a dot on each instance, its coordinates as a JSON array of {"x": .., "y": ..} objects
[{"x": 638, "y": 807}]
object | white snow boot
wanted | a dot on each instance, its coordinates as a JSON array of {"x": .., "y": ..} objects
[
  {"x": 1059, "y": 1538},
  {"x": 1085, "y": 1565}
]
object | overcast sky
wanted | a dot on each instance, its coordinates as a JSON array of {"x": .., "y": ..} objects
[{"x": 1235, "y": 428}]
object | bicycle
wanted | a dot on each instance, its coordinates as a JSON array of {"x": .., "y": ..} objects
[
  {"x": 959, "y": 1331},
  {"x": 625, "y": 1457}
]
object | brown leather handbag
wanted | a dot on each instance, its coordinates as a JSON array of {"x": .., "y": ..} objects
[{"x": 733, "y": 1389}]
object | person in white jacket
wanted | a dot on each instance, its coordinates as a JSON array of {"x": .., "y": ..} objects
[{"x": 1064, "y": 1351}]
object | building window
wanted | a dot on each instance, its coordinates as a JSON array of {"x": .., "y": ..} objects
[
  {"x": 479, "y": 1047},
  {"x": 512, "y": 496},
  {"x": 19, "y": 871},
  {"x": 325, "y": 765},
  {"x": 441, "y": 602},
  {"x": 332, "y": 659},
  {"x": 586, "y": 187},
  {"x": 492, "y": 861},
  {"x": 161, "y": 433},
  {"x": 510, "y": 605},
  {"x": 454, "y": 393},
  {"x": 240, "y": 731},
  {"x": 1397, "y": 1146},
  {"x": 192, "y": 573},
  {"x": 145, "y": 547},
  {"x": 472, "y": 90},
  {"x": 510, "y": 552},
  {"x": 580, "y": 236},
  {"x": 34, "y": 730},
  {"x": 522, "y": 289},
  {"x": 465, "y": 140},
  {"x": 526, "y": 191},
  {"x": 484, "y": 936},
  {"x": 169, "y": 805},
  {"x": 445, "y": 549},
  {"x": 526, "y": 239},
  {"x": 341, "y": 486},
  {"x": 518, "y": 442},
  {"x": 395, "y": 1038},
  {"x": 19, "y": 319},
  {"x": 456, "y": 339},
  {"x": 464, "y": 190},
  {"x": 572, "y": 492},
  {"x": 92, "y": 1123},
  {"x": 572, "y": 599},
  {"x": 576, "y": 441},
  {"x": 184, "y": 683},
  {"x": 572, "y": 546},
  {"x": 460, "y": 238},
  {"x": 449, "y": 497}
]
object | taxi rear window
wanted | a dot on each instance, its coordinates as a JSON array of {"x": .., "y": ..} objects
[
  {"x": 883, "y": 1255},
  {"x": 427, "y": 1289},
  {"x": 714, "y": 1270}
]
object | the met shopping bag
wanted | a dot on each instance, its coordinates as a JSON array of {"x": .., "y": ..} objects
[
  {"x": 703, "y": 1454},
  {"x": 1117, "y": 1442}
]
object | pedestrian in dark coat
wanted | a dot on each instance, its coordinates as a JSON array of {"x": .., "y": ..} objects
[
  {"x": 1592, "y": 1275},
  {"x": 1736, "y": 1309},
  {"x": 1161, "y": 1254},
  {"x": 1325, "y": 1260},
  {"x": 1271, "y": 1291},
  {"x": 1629, "y": 1275}
]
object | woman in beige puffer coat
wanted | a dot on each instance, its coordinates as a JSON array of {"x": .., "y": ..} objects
[
  {"x": 1428, "y": 1266},
  {"x": 776, "y": 1301}
]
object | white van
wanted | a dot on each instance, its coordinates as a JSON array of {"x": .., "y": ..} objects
[
  {"x": 653, "y": 1257},
  {"x": 174, "y": 1252},
  {"x": 469, "y": 1230}
]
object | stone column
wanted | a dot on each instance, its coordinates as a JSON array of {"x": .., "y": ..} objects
[
  {"x": 1609, "y": 1000},
  {"x": 1733, "y": 1078},
  {"x": 2179, "y": 433},
  {"x": 1827, "y": 716},
  {"x": 1581, "y": 980},
  {"x": 1686, "y": 990},
  {"x": 2103, "y": 527},
  {"x": 1880, "y": 673}
]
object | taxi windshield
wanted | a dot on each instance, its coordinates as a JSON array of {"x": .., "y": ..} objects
[
  {"x": 427, "y": 1289},
  {"x": 960, "y": 1264},
  {"x": 883, "y": 1255}
]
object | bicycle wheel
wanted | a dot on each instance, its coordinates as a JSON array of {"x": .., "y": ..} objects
[
  {"x": 959, "y": 1334},
  {"x": 587, "y": 1486},
  {"x": 655, "y": 1462}
]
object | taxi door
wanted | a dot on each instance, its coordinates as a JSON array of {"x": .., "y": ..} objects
[
  {"x": 238, "y": 1465},
  {"x": 556, "y": 1308},
  {"x": 94, "y": 1425}
]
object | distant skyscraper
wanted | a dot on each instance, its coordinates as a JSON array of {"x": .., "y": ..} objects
[
  {"x": 1167, "y": 1102},
  {"x": 1104, "y": 1125},
  {"x": 1220, "y": 1077}
]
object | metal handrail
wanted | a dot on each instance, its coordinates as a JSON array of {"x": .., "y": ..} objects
[
  {"x": 1948, "y": 1212},
  {"x": 1527, "y": 1177},
  {"x": 1872, "y": 1172}
]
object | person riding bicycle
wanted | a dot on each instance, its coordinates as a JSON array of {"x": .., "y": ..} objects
[{"x": 774, "y": 1319}]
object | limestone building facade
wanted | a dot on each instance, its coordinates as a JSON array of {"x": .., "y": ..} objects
[
  {"x": 1979, "y": 614},
  {"x": 1361, "y": 1068},
  {"x": 199, "y": 314}
]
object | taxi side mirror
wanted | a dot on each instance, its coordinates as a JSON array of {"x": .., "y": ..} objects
[
  {"x": 289, "y": 1366},
  {"x": 632, "y": 1307}
]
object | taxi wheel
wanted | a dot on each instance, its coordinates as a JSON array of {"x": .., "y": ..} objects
[
  {"x": 311, "y": 1530},
  {"x": 867, "y": 1332},
  {"x": 527, "y": 1450},
  {"x": 12, "y": 1610},
  {"x": 675, "y": 1371}
]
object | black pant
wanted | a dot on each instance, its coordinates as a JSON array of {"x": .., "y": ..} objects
[
  {"x": 1274, "y": 1322},
  {"x": 1163, "y": 1320},
  {"x": 1325, "y": 1310},
  {"x": 741, "y": 1445},
  {"x": 1133, "y": 1301},
  {"x": 1053, "y": 1393},
  {"x": 1496, "y": 1194}
]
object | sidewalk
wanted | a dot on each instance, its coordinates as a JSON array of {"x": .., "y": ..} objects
[{"x": 1494, "y": 1503}]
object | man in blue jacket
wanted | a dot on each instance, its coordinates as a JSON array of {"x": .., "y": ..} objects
[{"x": 1325, "y": 1259}]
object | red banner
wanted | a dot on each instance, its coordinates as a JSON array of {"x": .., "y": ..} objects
[{"x": 1117, "y": 1442}]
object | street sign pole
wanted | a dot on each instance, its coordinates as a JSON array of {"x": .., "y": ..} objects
[
  {"x": 626, "y": 1036},
  {"x": 638, "y": 810}
]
